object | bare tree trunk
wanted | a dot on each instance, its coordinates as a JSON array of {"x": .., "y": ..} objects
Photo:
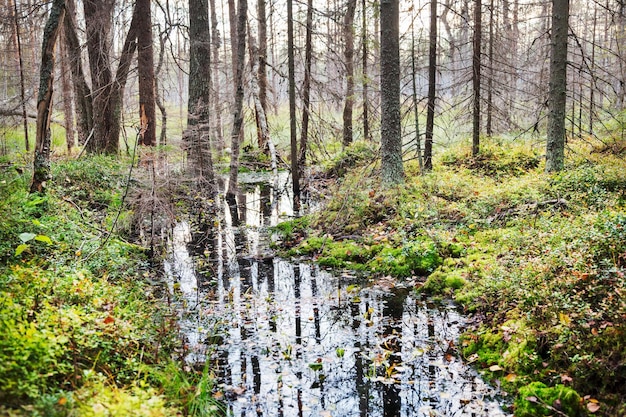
[
  {"x": 215, "y": 80},
  {"x": 418, "y": 141},
  {"x": 390, "y": 129},
  {"x": 157, "y": 95},
  {"x": 18, "y": 41},
  {"x": 489, "y": 127},
  {"x": 364, "y": 40},
  {"x": 555, "y": 147},
  {"x": 82, "y": 93},
  {"x": 98, "y": 27},
  {"x": 476, "y": 62},
  {"x": 68, "y": 109},
  {"x": 41, "y": 163},
  {"x": 262, "y": 70},
  {"x": 242, "y": 19},
  {"x": 295, "y": 169},
  {"x": 348, "y": 34},
  {"x": 145, "y": 67},
  {"x": 198, "y": 120},
  {"x": 432, "y": 88},
  {"x": 306, "y": 86}
]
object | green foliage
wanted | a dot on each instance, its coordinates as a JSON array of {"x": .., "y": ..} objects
[
  {"x": 78, "y": 333},
  {"x": 540, "y": 258},
  {"x": 355, "y": 155},
  {"x": 536, "y": 399}
]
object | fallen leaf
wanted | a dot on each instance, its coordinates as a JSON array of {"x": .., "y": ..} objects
[
  {"x": 531, "y": 399},
  {"x": 109, "y": 320},
  {"x": 593, "y": 407},
  {"x": 510, "y": 377},
  {"x": 62, "y": 401},
  {"x": 566, "y": 378},
  {"x": 495, "y": 368}
]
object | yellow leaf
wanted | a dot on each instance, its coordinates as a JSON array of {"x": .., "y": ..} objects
[
  {"x": 564, "y": 319},
  {"x": 510, "y": 377}
]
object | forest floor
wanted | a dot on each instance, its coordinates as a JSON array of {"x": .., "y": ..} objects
[
  {"x": 536, "y": 260},
  {"x": 86, "y": 323}
]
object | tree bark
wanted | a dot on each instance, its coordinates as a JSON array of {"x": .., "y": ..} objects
[
  {"x": 215, "y": 80},
  {"x": 348, "y": 34},
  {"x": 242, "y": 19},
  {"x": 82, "y": 93},
  {"x": 432, "y": 87},
  {"x": 145, "y": 68},
  {"x": 555, "y": 147},
  {"x": 68, "y": 109},
  {"x": 261, "y": 72},
  {"x": 364, "y": 40},
  {"x": 476, "y": 63},
  {"x": 391, "y": 135},
  {"x": 306, "y": 86},
  {"x": 18, "y": 44},
  {"x": 41, "y": 163},
  {"x": 97, "y": 30},
  {"x": 198, "y": 120},
  {"x": 295, "y": 169}
]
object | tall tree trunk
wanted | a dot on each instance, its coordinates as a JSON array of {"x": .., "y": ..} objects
[
  {"x": 215, "y": 80},
  {"x": 391, "y": 135},
  {"x": 82, "y": 93},
  {"x": 306, "y": 86},
  {"x": 145, "y": 68},
  {"x": 348, "y": 54},
  {"x": 157, "y": 96},
  {"x": 68, "y": 109},
  {"x": 295, "y": 169},
  {"x": 364, "y": 41},
  {"x": 262, "y": 68},
  {"x": 97, "y": 30},
  {"x": 242, "y": 19},
  {"x": 198, "y": 120},
  {"x": 432, "y": 87},
  {"x": 18, "y": 44},
  {"x": 418, "y": 141},
  {"x": 488, "y": 126},
  {"x": 555, "y": 147},
  {"x": 41, "y": 163},
  {"x": 476, "y": 62}
]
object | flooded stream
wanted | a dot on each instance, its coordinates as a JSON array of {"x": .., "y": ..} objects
[{"x": 290, "y": 339}]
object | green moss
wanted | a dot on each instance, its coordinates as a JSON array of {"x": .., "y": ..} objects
[{"x": 537, "y": 399}]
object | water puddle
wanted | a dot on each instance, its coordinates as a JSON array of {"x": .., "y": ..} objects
[{"x": 289, "y": 339}]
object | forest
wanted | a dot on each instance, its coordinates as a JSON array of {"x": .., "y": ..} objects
[{"x": 330, "y": 208}]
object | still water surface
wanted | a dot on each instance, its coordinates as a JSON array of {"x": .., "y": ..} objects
[{"x": 287, "y": 338}]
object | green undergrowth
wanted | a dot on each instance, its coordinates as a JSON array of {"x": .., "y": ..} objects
[
  {"x": 538, "y": 259},
  {"x": 83, "y": 330}
]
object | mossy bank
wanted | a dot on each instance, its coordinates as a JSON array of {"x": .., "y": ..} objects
[{"x": 538, "y": 260}]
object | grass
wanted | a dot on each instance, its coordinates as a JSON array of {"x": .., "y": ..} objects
[
  {"x": 538, "y": 258},
  {"x": 79, "y": 334}
]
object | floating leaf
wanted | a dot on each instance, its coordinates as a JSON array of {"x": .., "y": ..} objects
[
  {"x": 21, "y": 248},
  {"x": 26, "y": 237},
  {"x": 316, "y": 366}
]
